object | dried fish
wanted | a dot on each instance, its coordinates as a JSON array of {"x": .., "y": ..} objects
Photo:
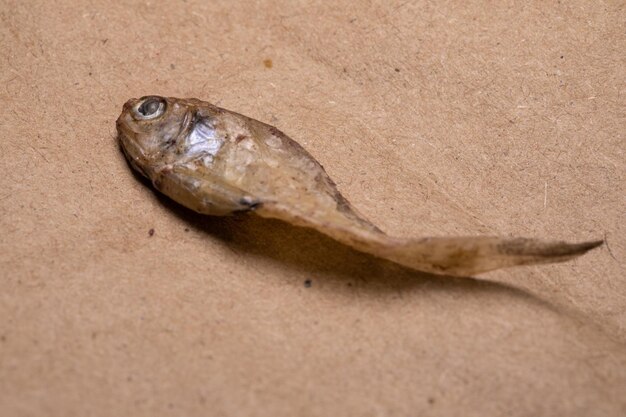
[{"x": 219, "y": 162}]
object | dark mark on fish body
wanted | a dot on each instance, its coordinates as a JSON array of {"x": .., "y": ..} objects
[
  {"x": 308, "y": 283},
  {"x": 279, "y": 134},
  {"x": 151, "y": 232},
  {"x": 249, "y": 204},
  {"x": 268, "y": 63}
]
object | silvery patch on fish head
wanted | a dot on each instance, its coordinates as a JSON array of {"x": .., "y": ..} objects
[{"x": 203, "y": 141}]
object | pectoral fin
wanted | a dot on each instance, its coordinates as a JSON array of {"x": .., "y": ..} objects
[{"x": 203, "y": 192}]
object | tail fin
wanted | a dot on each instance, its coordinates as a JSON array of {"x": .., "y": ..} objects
[{"x": 465, "y": 256}]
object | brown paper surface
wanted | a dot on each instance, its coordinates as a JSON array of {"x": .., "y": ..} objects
[{"x": 434, "y": 118}]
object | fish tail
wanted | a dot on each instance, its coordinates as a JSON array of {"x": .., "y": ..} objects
[
  {"x": 465, "y": 256},
  {"x": 457, "y": 256}
]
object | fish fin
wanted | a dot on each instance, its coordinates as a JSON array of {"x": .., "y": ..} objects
[
  {"x": 203, "y": 192},
  {"x": 465, "y": 256}
]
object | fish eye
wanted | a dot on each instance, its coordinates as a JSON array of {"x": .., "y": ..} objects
[{"x": 149, "y": 108}]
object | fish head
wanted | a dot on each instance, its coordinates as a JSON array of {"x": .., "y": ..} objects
[{"x": 147, "y": 129}]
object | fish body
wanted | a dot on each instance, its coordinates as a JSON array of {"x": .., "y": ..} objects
[{"x": 218, "y": 162}]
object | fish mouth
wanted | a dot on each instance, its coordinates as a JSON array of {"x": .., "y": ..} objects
[{"x": 133, "y": 152}]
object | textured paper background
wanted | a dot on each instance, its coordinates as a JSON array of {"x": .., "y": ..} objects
[{"x": 434, "y": 118}]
